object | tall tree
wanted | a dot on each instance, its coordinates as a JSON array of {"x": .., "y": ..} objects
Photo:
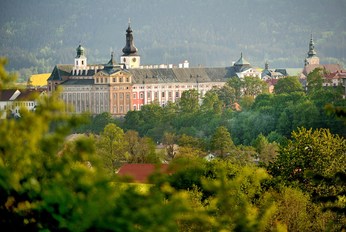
[
  {"x": 211, "y": 103},
  {"x": 189, "y": 101},
  {"x": 111, "y": 147},
  {"x": 221, "y": 142}
]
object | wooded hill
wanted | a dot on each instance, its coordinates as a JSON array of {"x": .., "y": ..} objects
[{"x": 35, "y": 35}]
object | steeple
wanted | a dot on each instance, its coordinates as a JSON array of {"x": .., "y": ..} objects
[
  {"x": 130, "y": 57},
  {"x": 80, "y": 61},
  {"x": 312, "y": 57},
  {"x": 241, "y": 64},
  {"x": 129, "y": 48},
  {"x": 266, "y": 65},
  {"x": 311, "y": 51}
]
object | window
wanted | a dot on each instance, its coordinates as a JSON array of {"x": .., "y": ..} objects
[
  {"x": 127, "y": 96},
  {"x": 163, "y": 94},
  {"x": 82, "y": 62},
  {"x": 121, "y": 96},
  {"x": 127, "y": 79},
  {"x": 115, "y": 96},
  {"x": 134, "y": 107},
  {"x": 177, "y": 94},
  {"x": 121, "y": 109},
  {"x": 169, "y": 94},
  {"x": 114, "y": 79},
  {"x": 141, "y": 96},
  {"x": 134, "y": 95},
  {"x": 120, "y": 79}
]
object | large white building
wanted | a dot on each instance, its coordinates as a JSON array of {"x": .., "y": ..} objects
[{"x": 120, "y": 87}]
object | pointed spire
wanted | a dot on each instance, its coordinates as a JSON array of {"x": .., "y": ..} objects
[
  {"x": 111, "y": 62},
  {"x": 311, "y": 51},
  {"x": 266, "y": 65},
  {"x": 241, "y": 61}
]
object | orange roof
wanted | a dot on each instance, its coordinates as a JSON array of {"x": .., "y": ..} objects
[{"x": 141, "y": 172}]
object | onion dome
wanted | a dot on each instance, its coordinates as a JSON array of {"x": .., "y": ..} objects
[{"x": 129, "y": 48}]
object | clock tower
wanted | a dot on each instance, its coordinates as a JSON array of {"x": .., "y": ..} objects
[{"x": 130, "y": 57}]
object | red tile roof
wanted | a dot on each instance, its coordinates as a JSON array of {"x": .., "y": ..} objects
[
  {"x": 336, "y": 75},
  {"x": 141, "y": 172}
]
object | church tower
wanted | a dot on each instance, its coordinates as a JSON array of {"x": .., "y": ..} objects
[
  {"x": 80, "y": 62},
  {"x": 312, "y": 57},
  {"x": 130, "y": 57}
]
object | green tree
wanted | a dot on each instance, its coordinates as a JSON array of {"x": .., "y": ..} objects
[
  {"x": 111, "y": 147},
  {"x": 189, "y": 101},
  {"x": 211, "y": 103},
  {"x": 227, "y": 95},
  {"x": 237, "y": 85},
  {"x": 169, "y": 141},
  {"x": 253, "y": 86},
  {"x": 315, "y": 80},
  {"x": 139, "y": 150},
  {"x": 310, "y": 153},
  {"x": 221, "y": 142},
  {"x": 288, "y": 85},
  {"x": 266, "y": 151}
]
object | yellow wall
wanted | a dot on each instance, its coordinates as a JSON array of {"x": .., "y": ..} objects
[{"x": 39, "y": 79}]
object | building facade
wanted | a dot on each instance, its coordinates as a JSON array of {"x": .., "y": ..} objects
[{"x": 120, "y": 87}]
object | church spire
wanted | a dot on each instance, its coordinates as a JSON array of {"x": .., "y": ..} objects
[
  {"x": 311, "y": 51},
  {"x": 129, "y": 48},
  {"x": 312, "y": 57}
]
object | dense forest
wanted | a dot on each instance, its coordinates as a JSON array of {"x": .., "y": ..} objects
[
  {"x": 51, "y": 183},
  {"x": 35, "y": 35}
]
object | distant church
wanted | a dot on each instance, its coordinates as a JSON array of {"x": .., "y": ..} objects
[{"x": 334, "y": 73}]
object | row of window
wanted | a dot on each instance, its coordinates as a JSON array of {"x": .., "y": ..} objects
[
  {"x": 169, "y": 87},
  {"x": 101, "y": 80}
]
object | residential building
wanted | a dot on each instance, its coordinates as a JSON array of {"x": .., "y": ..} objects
[{"x": 12, "y": 100}]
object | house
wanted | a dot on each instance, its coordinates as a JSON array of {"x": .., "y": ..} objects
[
  {"x": 140, "y": 173},
  {"x": 11, "y": 100}
]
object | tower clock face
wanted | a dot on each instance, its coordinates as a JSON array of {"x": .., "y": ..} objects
[{"x": 134, "y": 59}]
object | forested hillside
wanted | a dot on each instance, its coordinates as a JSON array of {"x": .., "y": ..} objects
[{"x": 35, "y": 35}]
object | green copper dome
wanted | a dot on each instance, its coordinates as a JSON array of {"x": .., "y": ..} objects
[{"x": 80, "y": 51}]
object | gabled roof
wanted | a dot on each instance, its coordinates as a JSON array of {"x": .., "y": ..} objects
[
  {"x": 28, "y": 95},
  {"x": 336, "y": 75},
  {"x": 7, "y": 94},
  {"x": 141, "y": 172},
  {"x": 61, "y": 72}
]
